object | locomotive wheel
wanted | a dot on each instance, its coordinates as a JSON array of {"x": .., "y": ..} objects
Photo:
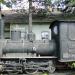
[
  {"x": 31, "y": 71},
  {"x": 51, "y": 69},
  {"x": 32, "y": 68}
]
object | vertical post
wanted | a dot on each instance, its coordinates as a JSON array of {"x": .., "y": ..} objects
[
  {"x": 31, "y": 35},
  {"x": 1, "y": 25},
  {"x": 2, "y": 28},
  {"x": 30, "y": 17},
  {"x": 0, "y": 20}
]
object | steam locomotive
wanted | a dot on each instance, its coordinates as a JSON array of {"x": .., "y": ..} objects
[{"x": 30, "y": 55}]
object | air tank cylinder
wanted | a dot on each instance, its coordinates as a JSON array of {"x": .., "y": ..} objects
[{"x": 15, "y": 35}]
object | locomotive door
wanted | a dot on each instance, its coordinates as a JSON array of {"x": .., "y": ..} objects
[{"x": 71, "y": 37}]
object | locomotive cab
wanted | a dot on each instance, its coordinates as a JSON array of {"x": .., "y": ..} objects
[{"x": 63, "y": 32}]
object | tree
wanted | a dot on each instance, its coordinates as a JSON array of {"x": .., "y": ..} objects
[
  {"x": 72, "y": 2},
  {"x": 20, "y": 4},
  {"x": 70, "y": 6},
  {"x": 1, "y": 1}
]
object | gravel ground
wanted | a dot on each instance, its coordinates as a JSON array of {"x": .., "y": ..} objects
[
  {"x": 43, "y": 74},
  {"x": 39, "y": 73}
]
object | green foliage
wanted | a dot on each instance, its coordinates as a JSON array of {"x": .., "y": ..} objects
[
  {"x": 44, "y": 73},
  {"x": 72, "y": 2},
  {"x": 48, "y": 2},
  {"x": 1, "y": 1},
  {"x": 13, "y": 1}
]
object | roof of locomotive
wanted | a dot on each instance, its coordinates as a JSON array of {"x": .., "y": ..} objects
[{"x": 56, "y": 22}]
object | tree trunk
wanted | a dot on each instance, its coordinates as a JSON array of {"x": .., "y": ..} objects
[{"x": 30, "y": 17}]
